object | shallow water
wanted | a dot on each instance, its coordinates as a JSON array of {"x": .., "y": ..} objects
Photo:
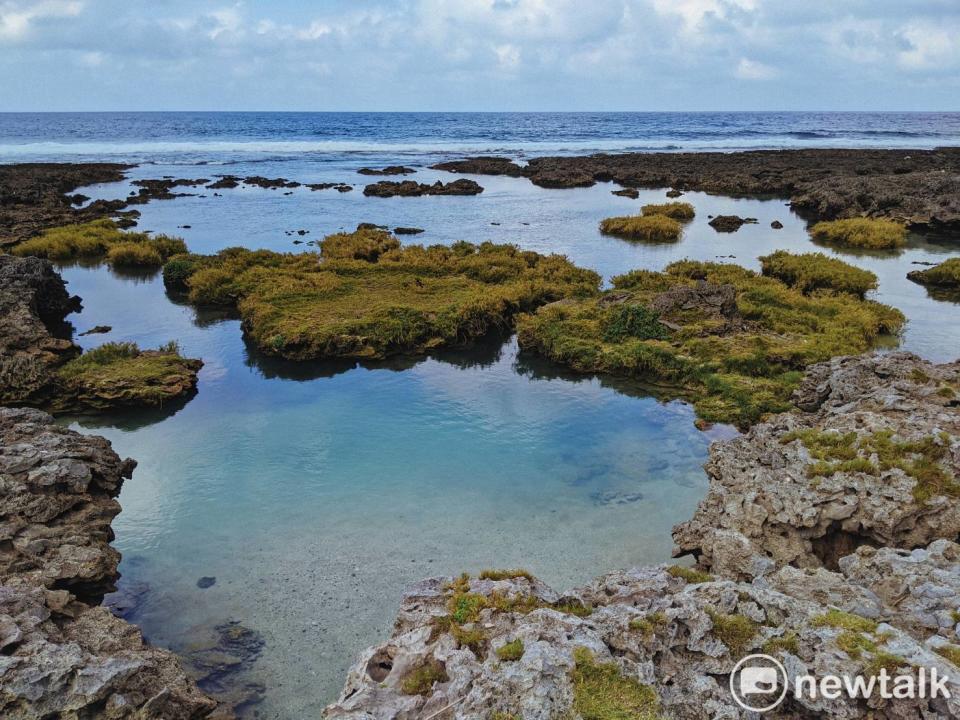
[{"x": 315, "y": 492}]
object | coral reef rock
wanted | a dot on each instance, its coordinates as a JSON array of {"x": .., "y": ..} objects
[{"x": 63, "y": 655}]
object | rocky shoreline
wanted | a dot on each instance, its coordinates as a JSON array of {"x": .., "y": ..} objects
[
  {"x": 63, "y": 654},
  {"x": 920, "y": 188},
  {"x": 852, "y": 570}
]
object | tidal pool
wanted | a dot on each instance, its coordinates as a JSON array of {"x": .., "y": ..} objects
[{"x": 315, "y": 492}]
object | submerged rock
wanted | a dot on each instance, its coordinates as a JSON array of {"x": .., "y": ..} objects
[
  {"x": 631, "y": 193},
  {"x": 389, "y": 170},
  {"x": 481, "y": 166},
  {"x": 409, "y": 188},
  {"x": 730, "y": 223}
]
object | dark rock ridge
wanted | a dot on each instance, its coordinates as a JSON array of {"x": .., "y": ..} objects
[
  {"x": 918, "y": 187},
  {"x": 730, "y": 223},
  {"x": 841, "y": 574},
  {"x": 35, "y": 196},
  {"x": 33, "y": 337},
  {"x": 409, "y": 188},
  {"x": 63, "y": 655},
  {"x": 389, "y": 170},
  {"x": 631, "y": 193},
  {"x": 232, "y": 181}
]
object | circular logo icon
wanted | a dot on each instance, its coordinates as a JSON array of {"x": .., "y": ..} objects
[{"x": 758, "y": 683}]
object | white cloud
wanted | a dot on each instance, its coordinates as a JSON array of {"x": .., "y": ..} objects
[
  {"x": 929, "y": 46},
  {"x": 16, "y": 17},
  {"x": 752, "y": 70},
  {"x": 508, "y": 56}
]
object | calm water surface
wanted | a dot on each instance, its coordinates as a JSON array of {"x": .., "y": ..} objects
[{"x": 315, "y": 492}]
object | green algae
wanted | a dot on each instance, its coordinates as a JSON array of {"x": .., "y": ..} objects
[
  {"x": 737, "y": 367},
  {"x": 409, "y": 300}
]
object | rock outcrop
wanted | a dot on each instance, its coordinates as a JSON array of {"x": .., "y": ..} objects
[
  {"x": 410, "y": 188},
  {"x": 33, "y": 304},
  {"x": 63, "y": 655},
  {"x": 730, "y": 223},
  {"x": 848, "y": 569},
  {"x": 872, "y": 459},
  {"x": 920, "y": 188},
  {"x": 35, "y": 196}
]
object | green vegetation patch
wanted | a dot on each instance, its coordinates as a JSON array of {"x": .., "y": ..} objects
[
  {"x": 788, "y": 642},
  {"x": 945, "y": 275},
  {"x": 675, "y": 210},
  {"x": 505, "y": 574},
  {"x": 600, "y": 692},
  {"x": 877, "y": 452},
  {"x": 950, "y": 652},
  {"x": 648, "y": 624},
  {"x": 120, "y": 373},
  {"x": 363, "y": 244},
  {"x": 411, "y": 299},
  {"x": 647, "y": 228},
  {"x": 511, "y": 651},
  {"x": 845, "y": 621},
  {"x": 814, "y": 271},
  {"x": 861, "y": 232},
  {"x": 734, "y": 631},
  {"x": 690, "y": 575},
  {"x": 736, "y": 341},
  {"x": 102, "y": 239},
  {"x": 420, "y": 680}
]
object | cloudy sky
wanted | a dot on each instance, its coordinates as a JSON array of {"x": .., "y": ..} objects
[{"x": 479, "y": 54}]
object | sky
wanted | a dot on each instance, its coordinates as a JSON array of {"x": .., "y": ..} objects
[{"x": 480, "y": 55}]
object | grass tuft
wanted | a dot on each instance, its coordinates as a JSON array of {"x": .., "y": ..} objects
[
  {"x": 647, "y": 228},
  {"x": 420, "y": 680},
  {"x": 861, "y": 232},
  {"x": 511, "y": 651},
  {"x": 102, "y": 239},
  {"x": 600, "y": 692},
  {"x": 690, "y": 575},
  {"x": 505, "y": 574},
  {"x": 675, "y": 210},
  {"x": 816, "y": 271},
  {"x": 946, "y": 275},
  {"x": 734, "y": 631}
]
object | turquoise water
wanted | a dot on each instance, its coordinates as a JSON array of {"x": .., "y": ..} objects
[{"x": 315, "y": 492}]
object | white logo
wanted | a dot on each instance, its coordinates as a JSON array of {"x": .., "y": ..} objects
[{"x": 758, "y": 683}]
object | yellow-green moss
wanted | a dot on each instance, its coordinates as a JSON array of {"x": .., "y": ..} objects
[
  {"x": 411, "y": 299},
  {"x": 950, "y": 652},
  {"x": 855, "y": 643},
  {"x": 120, "y": 373},
  {"x": 946, "y": 275},
  {"x": 690, "y": 575},
  {"x": 815, "y": 271},
  {"x": 845, "y": 621},
  {"x": 499, "y": 715},
  {"x": 861, "y": 232},
  {"x": 363, "y": 244},
  {"x": 882, "y": 660},
  {"x": 474, "y": 638},
  {"x": 511, "y": 651},
  {"x": 876, "y": 452},
  {"x": 788, "y": 642},
  {"x": 648, "y": 228},
  {"x": 600, "y": 692},
  {"x": 648, "y": 624},
  {"x": 420, "y": 680},
  {"x": 675, "y": 210},
  {"x": 735, "y": 372},
  {"x": 102, "y": 239},
  {"x": 734, "y": 631},
  {"x": 505, "y": 574}
]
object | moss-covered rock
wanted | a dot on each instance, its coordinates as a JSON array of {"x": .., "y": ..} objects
[
  {"x": 647, "y": 228},
  {"x": 946, "y": 275},
  {"x": 865, "y": 233},
  {"x": 99, "y": 240},
  {"x": 816, "y": 271},
  {"x": 122, "y": 375},
  {"x": 734, "y": 340},
  {"x": 406, "y": 300}
]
